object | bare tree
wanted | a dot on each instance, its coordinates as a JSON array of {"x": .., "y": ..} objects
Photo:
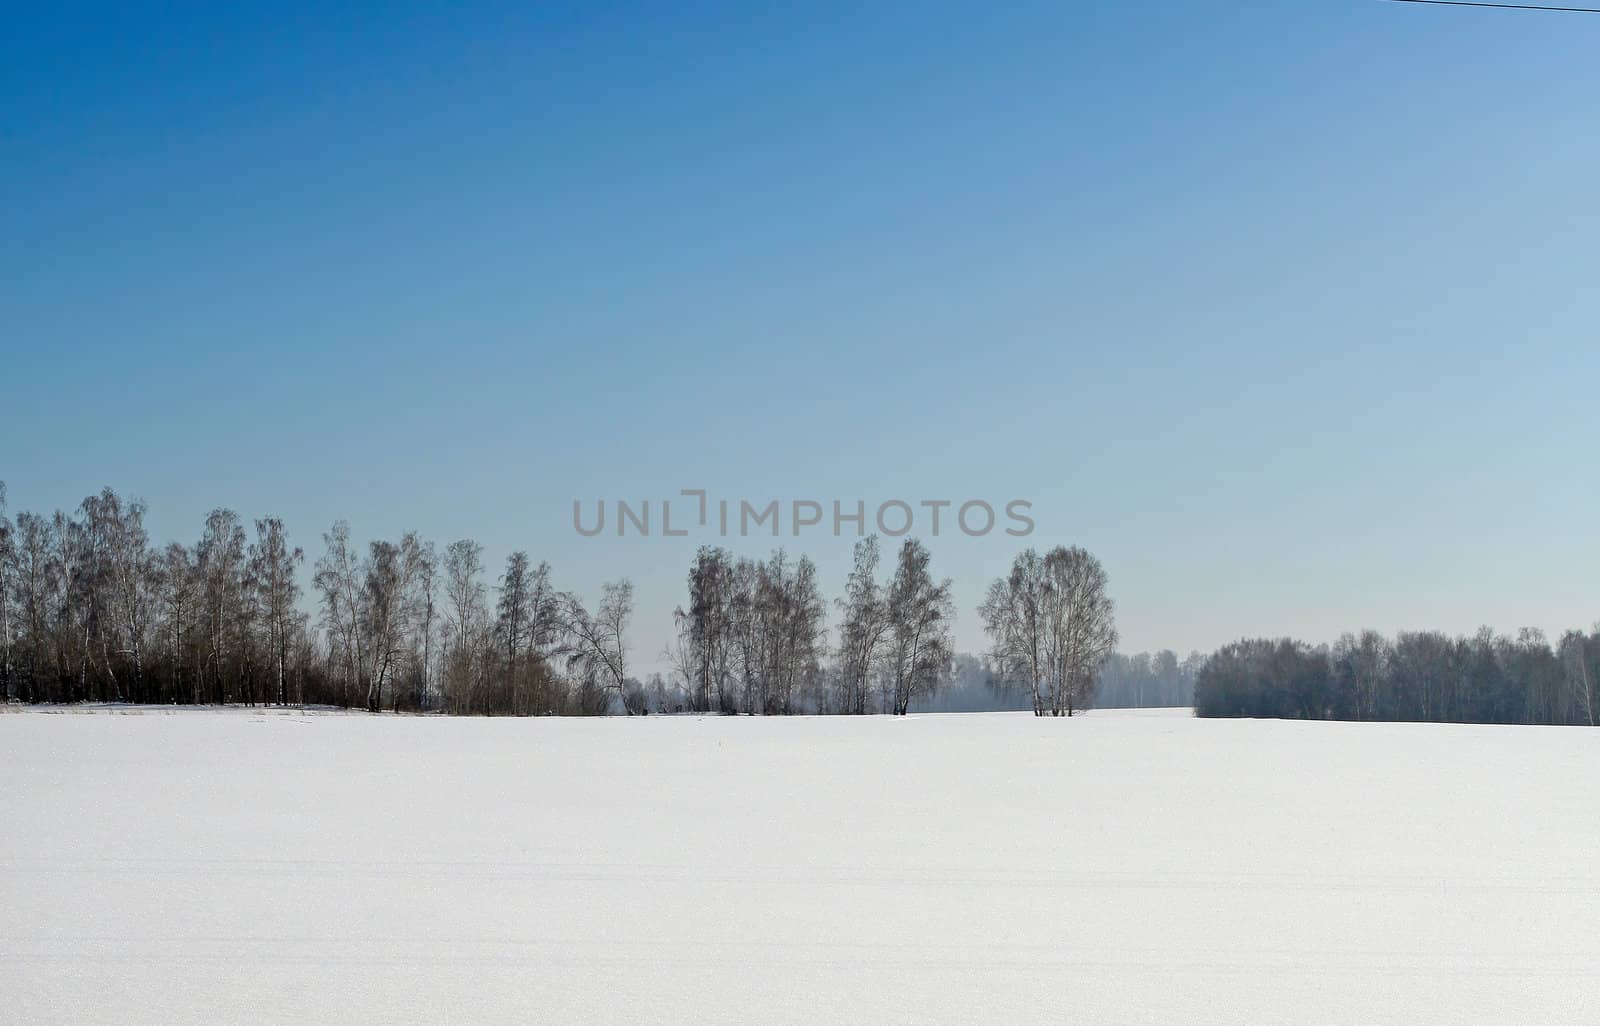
[
  {"x": 125, "y": 574},
  {"x": 425, "y": 617},
  {"x": 1579, "y": 657},
  {"x": 1015, "y": 614},
  {"x": 546, "y": 621},
  {"x": 390, "y": 573},
  {"x": 680, "y": 655},
  {"x": 596, "y": 644},
  {"x": 512, "y": 623},
  {"x": 272, "y": 573},
  {"x": 33, "y": 553},
  {"x": 920, "y": 615},
  {"x": 708, "y": 630},
  {"x": 1080, "y": 626},
  {"x": 221, "y": 558},
  {"x": 180, "y": 610},
  {"x": 793, "y": 625},
  {"x": 338, "y": 577},
  {"x": 530, "y": 614},
  {"x": 465, "y": 613},
  {"x": 73, "y": 577},
  {"x": 863, "y": 625}
]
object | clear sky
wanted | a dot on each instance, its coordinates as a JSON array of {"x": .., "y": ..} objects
[{"x": 1286, "y": 309}]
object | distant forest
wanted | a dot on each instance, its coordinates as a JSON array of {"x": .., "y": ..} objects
[
  {"x": 1419, "y": 676},
  {"x": 91, "y": 611}
]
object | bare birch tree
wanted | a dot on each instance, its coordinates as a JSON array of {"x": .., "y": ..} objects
[
  {"x": 1580, "y": 657},
  {"x": 863, "y": 625},
  {"x": 1015, "y": 615},
  {"x": 338, "y": 578},
  {"x": 180, "y": 612},
  {"x": 465, "y": 613},
  {"x": 1080, "y": 626},
  {"x": 221, "y": 559},
  {"x": 425, "y": 617},
  {"x": 272, "y": 573},
  {"x": 596, "y": 644},
  {"x": 920, "y": 617}
]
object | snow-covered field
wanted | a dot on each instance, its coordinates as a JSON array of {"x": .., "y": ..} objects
[{"x": 248, "y": 867}]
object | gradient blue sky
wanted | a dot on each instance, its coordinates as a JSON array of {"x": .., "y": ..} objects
[{"x": 1287, "y": 310}]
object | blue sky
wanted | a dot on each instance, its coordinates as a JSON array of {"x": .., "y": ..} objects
[{"x": 1284, "y": 309}]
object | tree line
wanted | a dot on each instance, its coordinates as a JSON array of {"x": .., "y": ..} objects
[
  {"x": 91, "y": 611},
  {"x": 753, "y": 636},
  {"x": 1422, "y": 675}
]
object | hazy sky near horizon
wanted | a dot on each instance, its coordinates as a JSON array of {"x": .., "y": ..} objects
[{"x": 1286, "y": 310}]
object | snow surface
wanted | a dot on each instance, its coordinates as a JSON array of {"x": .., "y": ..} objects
[{"x": 248, "y": 867}]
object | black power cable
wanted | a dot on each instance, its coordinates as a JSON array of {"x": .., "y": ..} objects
[{"x": 1508, "y": 7}]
